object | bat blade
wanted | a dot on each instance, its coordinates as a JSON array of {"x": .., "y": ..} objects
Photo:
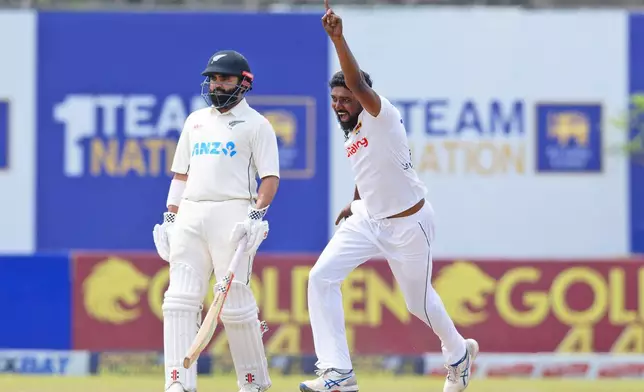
[{"x": 209, "y": 325}]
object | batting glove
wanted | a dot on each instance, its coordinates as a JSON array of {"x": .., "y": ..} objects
[
  {"x": 160, "y": 235},
  {"x": 254, "y": 227}
]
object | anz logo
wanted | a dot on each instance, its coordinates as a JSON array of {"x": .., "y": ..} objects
[{"x": 214, "y": 148}]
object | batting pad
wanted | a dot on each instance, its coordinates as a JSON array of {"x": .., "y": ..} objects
[
  {"x": 181, "y": 320},
  {"x": 240, "y": 318}
]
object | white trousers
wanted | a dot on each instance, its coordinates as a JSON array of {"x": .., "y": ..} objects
[
  {"x": 201, "y": 237},
  {"x": 200, "y": 243},
  {"x": 406, "y": 244}
]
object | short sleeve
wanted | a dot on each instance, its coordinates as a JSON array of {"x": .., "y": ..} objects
[
  {"x": 181, "y": 160},
  {"x": 388, "y": 111},
  {"x": 265, "y": 153}
]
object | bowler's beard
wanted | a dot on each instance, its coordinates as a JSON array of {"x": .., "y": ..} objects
[{"x": 349, "y": 124}]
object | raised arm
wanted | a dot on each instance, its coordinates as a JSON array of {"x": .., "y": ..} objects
[{"x": 354, "y": 79}]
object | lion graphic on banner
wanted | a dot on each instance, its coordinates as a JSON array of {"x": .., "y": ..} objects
[
  {"x": 464, "y": 288},
  {"x": 112, "y": 291}
]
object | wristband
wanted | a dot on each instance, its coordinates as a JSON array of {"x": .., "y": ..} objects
[
  {"x": 256, "y": 214},
  {"x": 176, "y": 192},
  {"x": 169, "y": 217}
]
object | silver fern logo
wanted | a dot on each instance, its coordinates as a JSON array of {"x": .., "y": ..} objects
[{"x": 232, "y": 124}]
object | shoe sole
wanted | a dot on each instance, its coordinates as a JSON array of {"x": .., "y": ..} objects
[{"x": 304, "y": 388}]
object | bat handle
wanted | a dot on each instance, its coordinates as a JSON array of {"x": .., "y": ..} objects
[
  {"x": 187, "y": 363},
  {"x": 241, "y": 246}
]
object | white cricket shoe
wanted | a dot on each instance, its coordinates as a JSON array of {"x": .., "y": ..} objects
[
  {"x": 458, "y": 376},
  {"x": 176, "y": 387},
  {"x": 252, "y": 388},
  {"x": 331, "y": 380}
]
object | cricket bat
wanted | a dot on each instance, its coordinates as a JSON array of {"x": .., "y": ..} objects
[{"x": 209, "y": 324}]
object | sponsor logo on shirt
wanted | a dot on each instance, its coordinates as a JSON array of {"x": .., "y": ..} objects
[
  {"x": 214, "y": 148},
  {"x": 355, "y": 147}
]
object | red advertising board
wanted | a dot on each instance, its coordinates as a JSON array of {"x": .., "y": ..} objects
[{"x": 509, "y": 306}]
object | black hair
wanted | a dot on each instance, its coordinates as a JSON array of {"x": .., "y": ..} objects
[{"x": 337, "y": 80}]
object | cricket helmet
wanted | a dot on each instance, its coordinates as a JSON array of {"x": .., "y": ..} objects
[{"x": 227, "y": 62}]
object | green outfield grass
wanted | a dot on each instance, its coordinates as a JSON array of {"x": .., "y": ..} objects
[{"x": 10, "y": 383}]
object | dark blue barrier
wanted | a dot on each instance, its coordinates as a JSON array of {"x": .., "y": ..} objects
[
  {"x": 636, "y": 179},
  {"x": 113, "y": 92},
  {"x": 36, "y": 298}
]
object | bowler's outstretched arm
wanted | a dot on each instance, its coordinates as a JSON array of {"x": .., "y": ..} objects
[{"x": 367, "y": 97}]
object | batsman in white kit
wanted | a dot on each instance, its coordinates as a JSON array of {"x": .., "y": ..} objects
[
  {"x": 389, "y": 218},
  {"x": 213, "y": 202}
]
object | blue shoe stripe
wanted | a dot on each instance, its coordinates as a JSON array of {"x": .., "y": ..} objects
[
  {"x": 466, "y": 373},
  {"x": 334, "y": 383},
  {"x": 460, "y": 360},
  {"x": 304, "y": 388}
]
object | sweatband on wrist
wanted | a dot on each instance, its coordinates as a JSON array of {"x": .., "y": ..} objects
[
  {"x": 169, "y": 217},
  {"x": 255, "y": 214},
  {"x": 176, "y": 192}
]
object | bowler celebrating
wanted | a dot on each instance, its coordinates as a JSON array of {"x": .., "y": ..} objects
[{"x": 389, "y": 218}]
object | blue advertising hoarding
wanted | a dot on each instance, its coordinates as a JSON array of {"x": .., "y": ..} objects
[
  {"x": 37, "y": 302},
  {"x": 636, "y": 176},
  {"x": 113, "y": 92}
]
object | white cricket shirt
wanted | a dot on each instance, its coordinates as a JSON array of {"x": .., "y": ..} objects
[
  {"x": 223, "y": 153},
  {"x": 381, "y": 161}
]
